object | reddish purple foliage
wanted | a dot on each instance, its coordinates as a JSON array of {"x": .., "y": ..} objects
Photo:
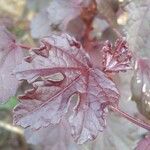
[
  {"x": 117, "y": 58},
  {"x": 52, "y": 137},
  {"x": 144, "y": 144},
  {"x": 140, "y": 86},
  {"x": 10, "y": 56},
  {"x": 71, "y": 86},
  {"x": 49, "y": 100}
]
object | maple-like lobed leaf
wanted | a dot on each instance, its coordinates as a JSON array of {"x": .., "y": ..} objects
[
  {"x": 118, "y": 129},
  {"x": 117, "y": 58},
  {"x": 49, "y": 100},
  {"x": 144, "y": 144},
  {"x": 66, "y": 55},
  {"x": 10, "y": 56}
]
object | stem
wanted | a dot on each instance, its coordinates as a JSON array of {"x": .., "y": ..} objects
[
  {"x": 130, "y": 118},
  {"x": 119, "y": 35},
  {"x": 24, "y": 47},
  {"x": 86, "y": 36}
]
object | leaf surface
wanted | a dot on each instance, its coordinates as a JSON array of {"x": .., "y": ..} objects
[
  {"x": 54, "y": 21},
  {"x": 140, "y": 86},
  {"x": 144, "y": 144},
  {"x": 46, "y": 137},
  {"x": 117, "y": 58},
  {"x": 49, "y": 100},
  {"x": 10, "y": 56},
  {"x": 138, "y": 28}
]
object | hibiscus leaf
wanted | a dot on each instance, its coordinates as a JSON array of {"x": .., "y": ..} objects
[{"x": 49, "y": 99}]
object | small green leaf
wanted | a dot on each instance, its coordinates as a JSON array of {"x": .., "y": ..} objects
[{"x": 10, "y": 104}]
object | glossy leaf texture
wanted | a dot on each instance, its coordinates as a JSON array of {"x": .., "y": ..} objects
[
  {"x": 117, "y": 58},
  {"x": 11, "y": 55},
  {"x": 50, "y": 99},
  {"x": 140, "y": 86},
  {"x": 144, "y": 144}
]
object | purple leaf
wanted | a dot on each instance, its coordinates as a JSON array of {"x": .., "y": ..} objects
[
  {"x": 117, "y": 58},
  {"x": 10, "y": 56},
  {"x": 49, "y": 99},
  {"x": 140, "y": 86},
  {"x": 144, "y": 144},
  {"x": 137, "y": 28},
  {"x": 46, "y": 137},
  {"x": 49, "y": 21}
]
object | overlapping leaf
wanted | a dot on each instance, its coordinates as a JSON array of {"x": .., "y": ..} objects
[
  {"x": 51, "y": 20},
  {"x": 138, "y": 27},
  {"x": 140, "y": 86},
  {"x": 10, "y": 56}
]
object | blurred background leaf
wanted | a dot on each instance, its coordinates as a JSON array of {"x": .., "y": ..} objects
[{"x": 10, "y": 104}]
